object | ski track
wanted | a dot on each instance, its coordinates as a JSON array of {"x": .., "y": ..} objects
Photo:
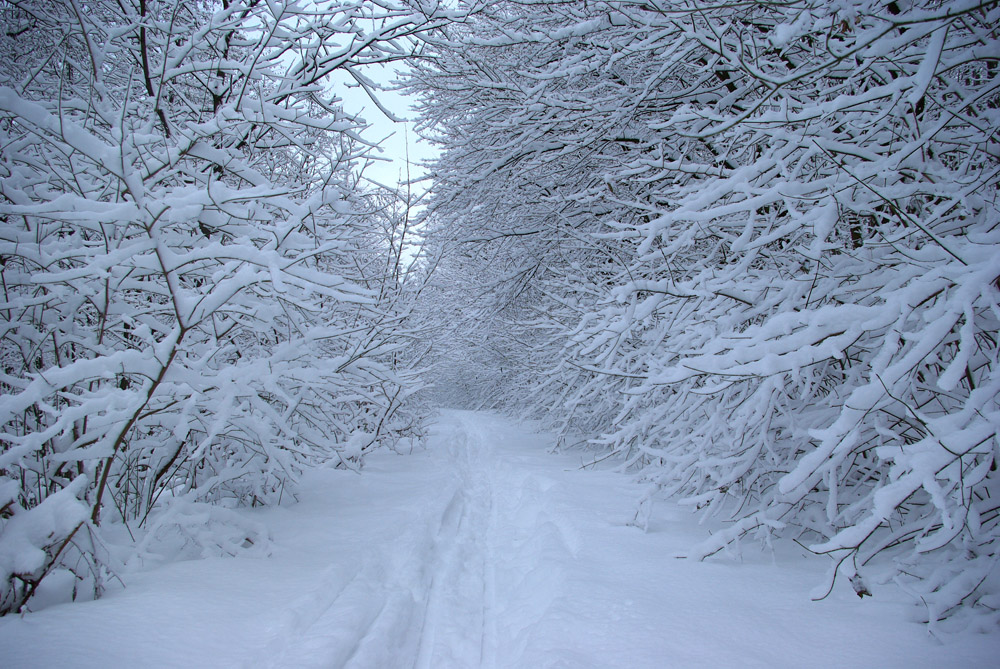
[{"x": 461, "y": 590}]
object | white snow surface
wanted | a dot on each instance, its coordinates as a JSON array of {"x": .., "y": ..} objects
[{"x": 484, "y": 550}]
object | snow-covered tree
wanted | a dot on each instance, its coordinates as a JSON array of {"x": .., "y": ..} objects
[
  {"x": 198, "y": 297},
  {"x": 763, "y": 238}
]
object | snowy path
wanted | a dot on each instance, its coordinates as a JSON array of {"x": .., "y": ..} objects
[{"x": 483, "y": 551}]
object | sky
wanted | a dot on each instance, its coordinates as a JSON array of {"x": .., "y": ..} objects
[{"x": 397, "y": 138}]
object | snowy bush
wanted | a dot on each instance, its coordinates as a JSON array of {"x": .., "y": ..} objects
[
  {"x": 759, "y": 242},
  {"x": 186, "y": 317}
]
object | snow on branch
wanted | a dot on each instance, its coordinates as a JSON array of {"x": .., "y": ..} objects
[
  {"x": 198, "y": 301},
  {"x": 763, "y": 268}
]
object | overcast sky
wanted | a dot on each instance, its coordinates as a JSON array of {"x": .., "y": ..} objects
[{"x": 394, "y": 147}]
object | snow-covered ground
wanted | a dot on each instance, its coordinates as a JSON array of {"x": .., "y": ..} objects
[{"x": 482, "y": 551}]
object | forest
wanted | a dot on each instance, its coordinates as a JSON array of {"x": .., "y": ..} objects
[{"x": 745, "y": 253}]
